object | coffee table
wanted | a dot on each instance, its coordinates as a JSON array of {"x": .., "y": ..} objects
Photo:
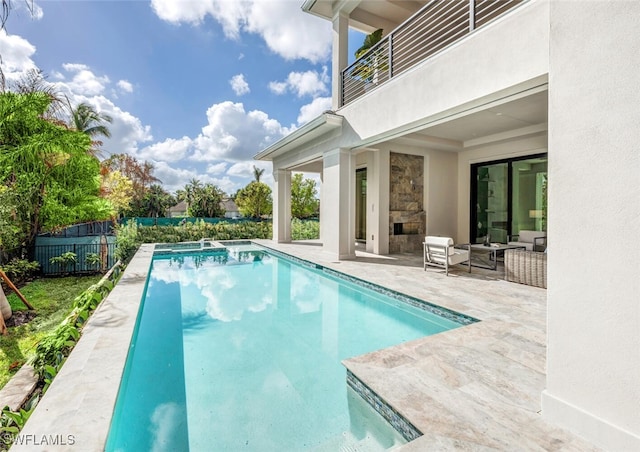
[{"x": 493, "y": 252}]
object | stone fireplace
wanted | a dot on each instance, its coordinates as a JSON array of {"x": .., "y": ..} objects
[{"x": 407, "y": 219}]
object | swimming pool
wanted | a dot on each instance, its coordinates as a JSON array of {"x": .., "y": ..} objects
[{"x": 241, "y": 349}]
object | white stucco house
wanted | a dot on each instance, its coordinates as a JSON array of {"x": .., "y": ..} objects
[{"x": 473, "y": 117}]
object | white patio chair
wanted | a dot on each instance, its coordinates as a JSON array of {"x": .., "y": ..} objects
[{"x": 440, "y": 252}]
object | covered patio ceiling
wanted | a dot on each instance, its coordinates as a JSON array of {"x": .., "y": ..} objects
[
  {"x": 366, "y": 15},
  {"x": 493, "y": 122}
]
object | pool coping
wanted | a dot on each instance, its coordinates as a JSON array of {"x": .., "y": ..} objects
[{"x": 75, "y": 413}]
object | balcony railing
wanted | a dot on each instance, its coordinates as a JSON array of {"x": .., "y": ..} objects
[{"x": 437, "y": 25}]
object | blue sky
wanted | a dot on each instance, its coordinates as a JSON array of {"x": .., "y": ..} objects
[{"x": 195, "y": 87}]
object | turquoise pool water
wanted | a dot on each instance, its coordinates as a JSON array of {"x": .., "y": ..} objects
[{"x": 242, "y": 350}]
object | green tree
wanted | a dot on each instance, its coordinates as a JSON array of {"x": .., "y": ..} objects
[
  {"x": 85, "y": 119},
  {"x": 187, "y": 195},
  {"x": 139, "y": 173},
  {"x": 118, "y": 190},
  {"x": 207, "y": 201},
  {"x": 46, "y": 166},
  {"x": 10, "y": 232},
  {"x": 156, "y": 201},
  {"x": 304, "y": 203},
  {"x": 254, "y": 200}
]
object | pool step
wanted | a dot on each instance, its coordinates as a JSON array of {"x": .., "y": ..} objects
[{"x": 205, "y": 244}]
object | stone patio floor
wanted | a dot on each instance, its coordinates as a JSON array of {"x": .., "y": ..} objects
[{"x": 476, "y": 387}]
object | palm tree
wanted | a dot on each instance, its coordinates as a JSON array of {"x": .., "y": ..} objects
[
  {"x": 157, "y": 201},
  {"x": 191, "y": 190},
  {"x": 86, "y": 119},
  {"x": 257, "y": 173}
]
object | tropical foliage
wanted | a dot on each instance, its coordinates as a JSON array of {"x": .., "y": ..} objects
[
  {"x": 205, "y": 200},
  {"x": 370, "y": 62},
  {"x": 118, "y": 190},
  {"x": 147, "y": 196},
  {"x": 257, "y": 173},
  {"x": 53, "y": 179},
  {"x": 85, "y": 119},
  {"x": 254, "y": 200},
  {"x": 156, "y": 201},
  {"x": 305, "y": 229},
  {"x": 304, "y": 201},
  {"x": 20, "y": 270}
]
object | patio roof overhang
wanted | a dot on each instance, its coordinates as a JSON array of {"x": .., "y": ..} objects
[
  {"x": 326, "y": 122},
  {"x": 366, "y": 15}
]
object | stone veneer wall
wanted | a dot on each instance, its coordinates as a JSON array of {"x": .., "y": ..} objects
[{"x": 406, "y": 203}]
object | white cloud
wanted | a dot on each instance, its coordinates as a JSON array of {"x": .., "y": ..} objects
[
  {"x": 84, "y": 81},
  {"x": 239, "y": 85},
  {"x": 234, "y": 134},
  {"x": 314, "y": 109},
  {"x": 125, "y": 86},
  {"x": 175, "y": 178},
  {"x": 217, "y": 168},
  {"x": 16, "y": 53},
  {"x": 245, "y": 169},
  {"x": 308, "y": 83},
  {"x": 57, "y": 75},
  {"x": 278, "y": 87},
  {"x": 285, "y": 28},
  {"x": 230, "y": 14},
  {"x": 290, "y": 32},
  {"x": 169, "y": 150}
]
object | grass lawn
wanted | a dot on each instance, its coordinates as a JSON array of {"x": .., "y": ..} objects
[{"x": 52, "y": 299}]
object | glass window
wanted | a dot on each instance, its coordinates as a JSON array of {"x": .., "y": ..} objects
[{"x": 508, "y": 196}]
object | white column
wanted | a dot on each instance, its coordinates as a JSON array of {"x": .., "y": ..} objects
[
  {"x": 322, "y": 229},
  {"x": 378, "y": 202},
  {"x": 338, "y": 208},
  {"x": 282, "y": 206},
  {"x": 339, "y": 55}
]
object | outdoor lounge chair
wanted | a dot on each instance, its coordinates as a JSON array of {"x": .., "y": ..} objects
[
  {"x": 531, "y": 240},
  {"x": 439, "y": 252}
]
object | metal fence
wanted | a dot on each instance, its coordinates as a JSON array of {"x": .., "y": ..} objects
[
  {"x": 89, "y": 229},
  {"x": 89, "y": 258}
]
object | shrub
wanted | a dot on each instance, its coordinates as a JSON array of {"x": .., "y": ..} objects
[
  {"x": 127, "y": 241},
  {"x": 20, "y": 270},
  {"x": 305, "y": 229},
  {"x": 130, "y": 236},
  {"x": 65, "y": 260}
]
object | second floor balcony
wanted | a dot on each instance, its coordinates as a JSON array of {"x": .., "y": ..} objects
[{"x": 434, "y": 27}]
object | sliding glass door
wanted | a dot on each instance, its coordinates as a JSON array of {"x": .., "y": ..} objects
[{"x": 508, "y": 196}]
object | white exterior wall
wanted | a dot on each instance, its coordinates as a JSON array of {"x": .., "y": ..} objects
[
  {"x": 505, "y": 57},
  {"x": 593, "y": 353},
  {"x": 516, "y": 147}
]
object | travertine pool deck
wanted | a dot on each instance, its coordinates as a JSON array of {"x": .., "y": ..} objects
[{"x": 476, "y": 387}]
